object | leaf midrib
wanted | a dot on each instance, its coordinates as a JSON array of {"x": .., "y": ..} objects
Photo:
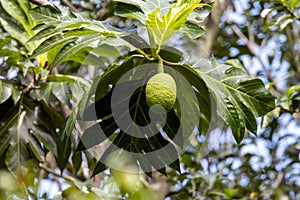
[{"x": 217, "y": 82}]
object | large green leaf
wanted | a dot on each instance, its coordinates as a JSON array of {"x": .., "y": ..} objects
[
  {"x": 70, "y": 44},
  {"x": 19, "y": 10},
  {"x": 138, "y": 111},
  {"x": 238, "y": 96},
  {"x": 165, "y": 18},
  {"x": 162, "y": 27},
  {"x": 192, "y": 112},
  {"x": 51, "y": 43},
  {"x": 15, "y": 30},
  {"x": 48, "y": 13},
  {"x": 115, "y": 72},
  {"x": 203, "y": 98},
  {"x": 65, "y": 88},
  {"x": 128, "y": 140},
  {"x": 93, "y": 40},
  {"x": 64, "y": 34},
  {"x": 23, "y": 123},
  {"x": 21, "y": 27},
  {"x": 13, "y": 9}
]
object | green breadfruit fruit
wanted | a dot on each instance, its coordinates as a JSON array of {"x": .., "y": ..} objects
[{"x": 161, "y": 89}]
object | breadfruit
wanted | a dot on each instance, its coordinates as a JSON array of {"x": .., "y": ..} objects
[{"x": 161, "y": 89}]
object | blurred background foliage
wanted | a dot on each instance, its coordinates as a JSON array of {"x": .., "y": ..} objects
[{"x": 263, "y": 34}]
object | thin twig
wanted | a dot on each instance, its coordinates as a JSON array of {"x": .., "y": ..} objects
[
  {"x": 70, "y": 5},
  {"x": 290, "y": 12},
  {"x": 29, "y": 87},
  {"x": 49, "y": 170}
]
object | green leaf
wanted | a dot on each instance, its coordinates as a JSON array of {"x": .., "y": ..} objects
[
  {"x": 92, "y": 137},
  {"x": 175, "y": 128},
  {"x": 294, "y": 4},
  {"x": 86, "y": 57},
  {"x": 238, "y": 96},
  {"x": 4, "y": 142},
  {"x": 149, "y": 5},
  {"x": 163, "y": 27},
  {"x": 15, "y": 30},
  {"x": 77, "y": 111},
  {"x": 100, "y": 167},
  {"x": 47, "y": 140},
  {"x": 16, "y": 93},
  {"x": 42, "y": 34},
  {"x": 25, "y": 5},
  {"x": 48, "y": 13},
  {"x": 203, "y": 97},
  {"x": 11, "y": 112},
  {"x": 13, "y": 9},
  {"x": 136, "y": 41},
  {"x": 69, "y": 49},
  {"x": 51, "y": 54},
  {"x": 77, "y": 161},
  {"x": 138, "y": 112},
  {"x": 282, "y": 21},
  {"x": 20, "y": 122},
  {"x": 290, "y": 91},
  {"x": 46, "y": 90},
  {"x": 67, "y": 79},
  {"x": 21, "y": 26},
  {"x": 17, "y": 155},
  {"x": 61, "y": 91},
  {"x": 36, "y": 149},
  {"x": 66, "y": 33},
  {"x": 5, "y": 91},
  {"x": 115, "y": 72},
  {"x": 199, "y": 15},
  {"x": 192, "y": 30},
  {"x": 129, "y": 11},
  {"x": 51, "y": 43},
  {"x": 65, "y": 151},
  {"x": 268, "y": 118}
]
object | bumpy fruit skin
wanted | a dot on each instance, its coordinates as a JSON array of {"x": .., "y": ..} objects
[{"x": 161, "y": 89}]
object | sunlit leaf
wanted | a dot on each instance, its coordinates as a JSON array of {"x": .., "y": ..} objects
[
  {"x": 238, "y": 96},
  {"x": 15, "y": 30},
  {"x": 5, "y": 91},
  {"x": 163, "y": 27},
  {"x": 13, "y": 9},
  {"x": 48, "y": 13},
  {"x": 129, "y": 11}
]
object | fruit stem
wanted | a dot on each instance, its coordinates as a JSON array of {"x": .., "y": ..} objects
[{"x": 160, "y": 66}]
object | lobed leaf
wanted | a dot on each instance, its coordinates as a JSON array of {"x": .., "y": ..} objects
[
  {"x": 162, "y": 27},
  {"x": 239, "y": 97}
]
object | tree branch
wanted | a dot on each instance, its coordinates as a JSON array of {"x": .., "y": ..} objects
[{"x": 212, "y": 26}]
